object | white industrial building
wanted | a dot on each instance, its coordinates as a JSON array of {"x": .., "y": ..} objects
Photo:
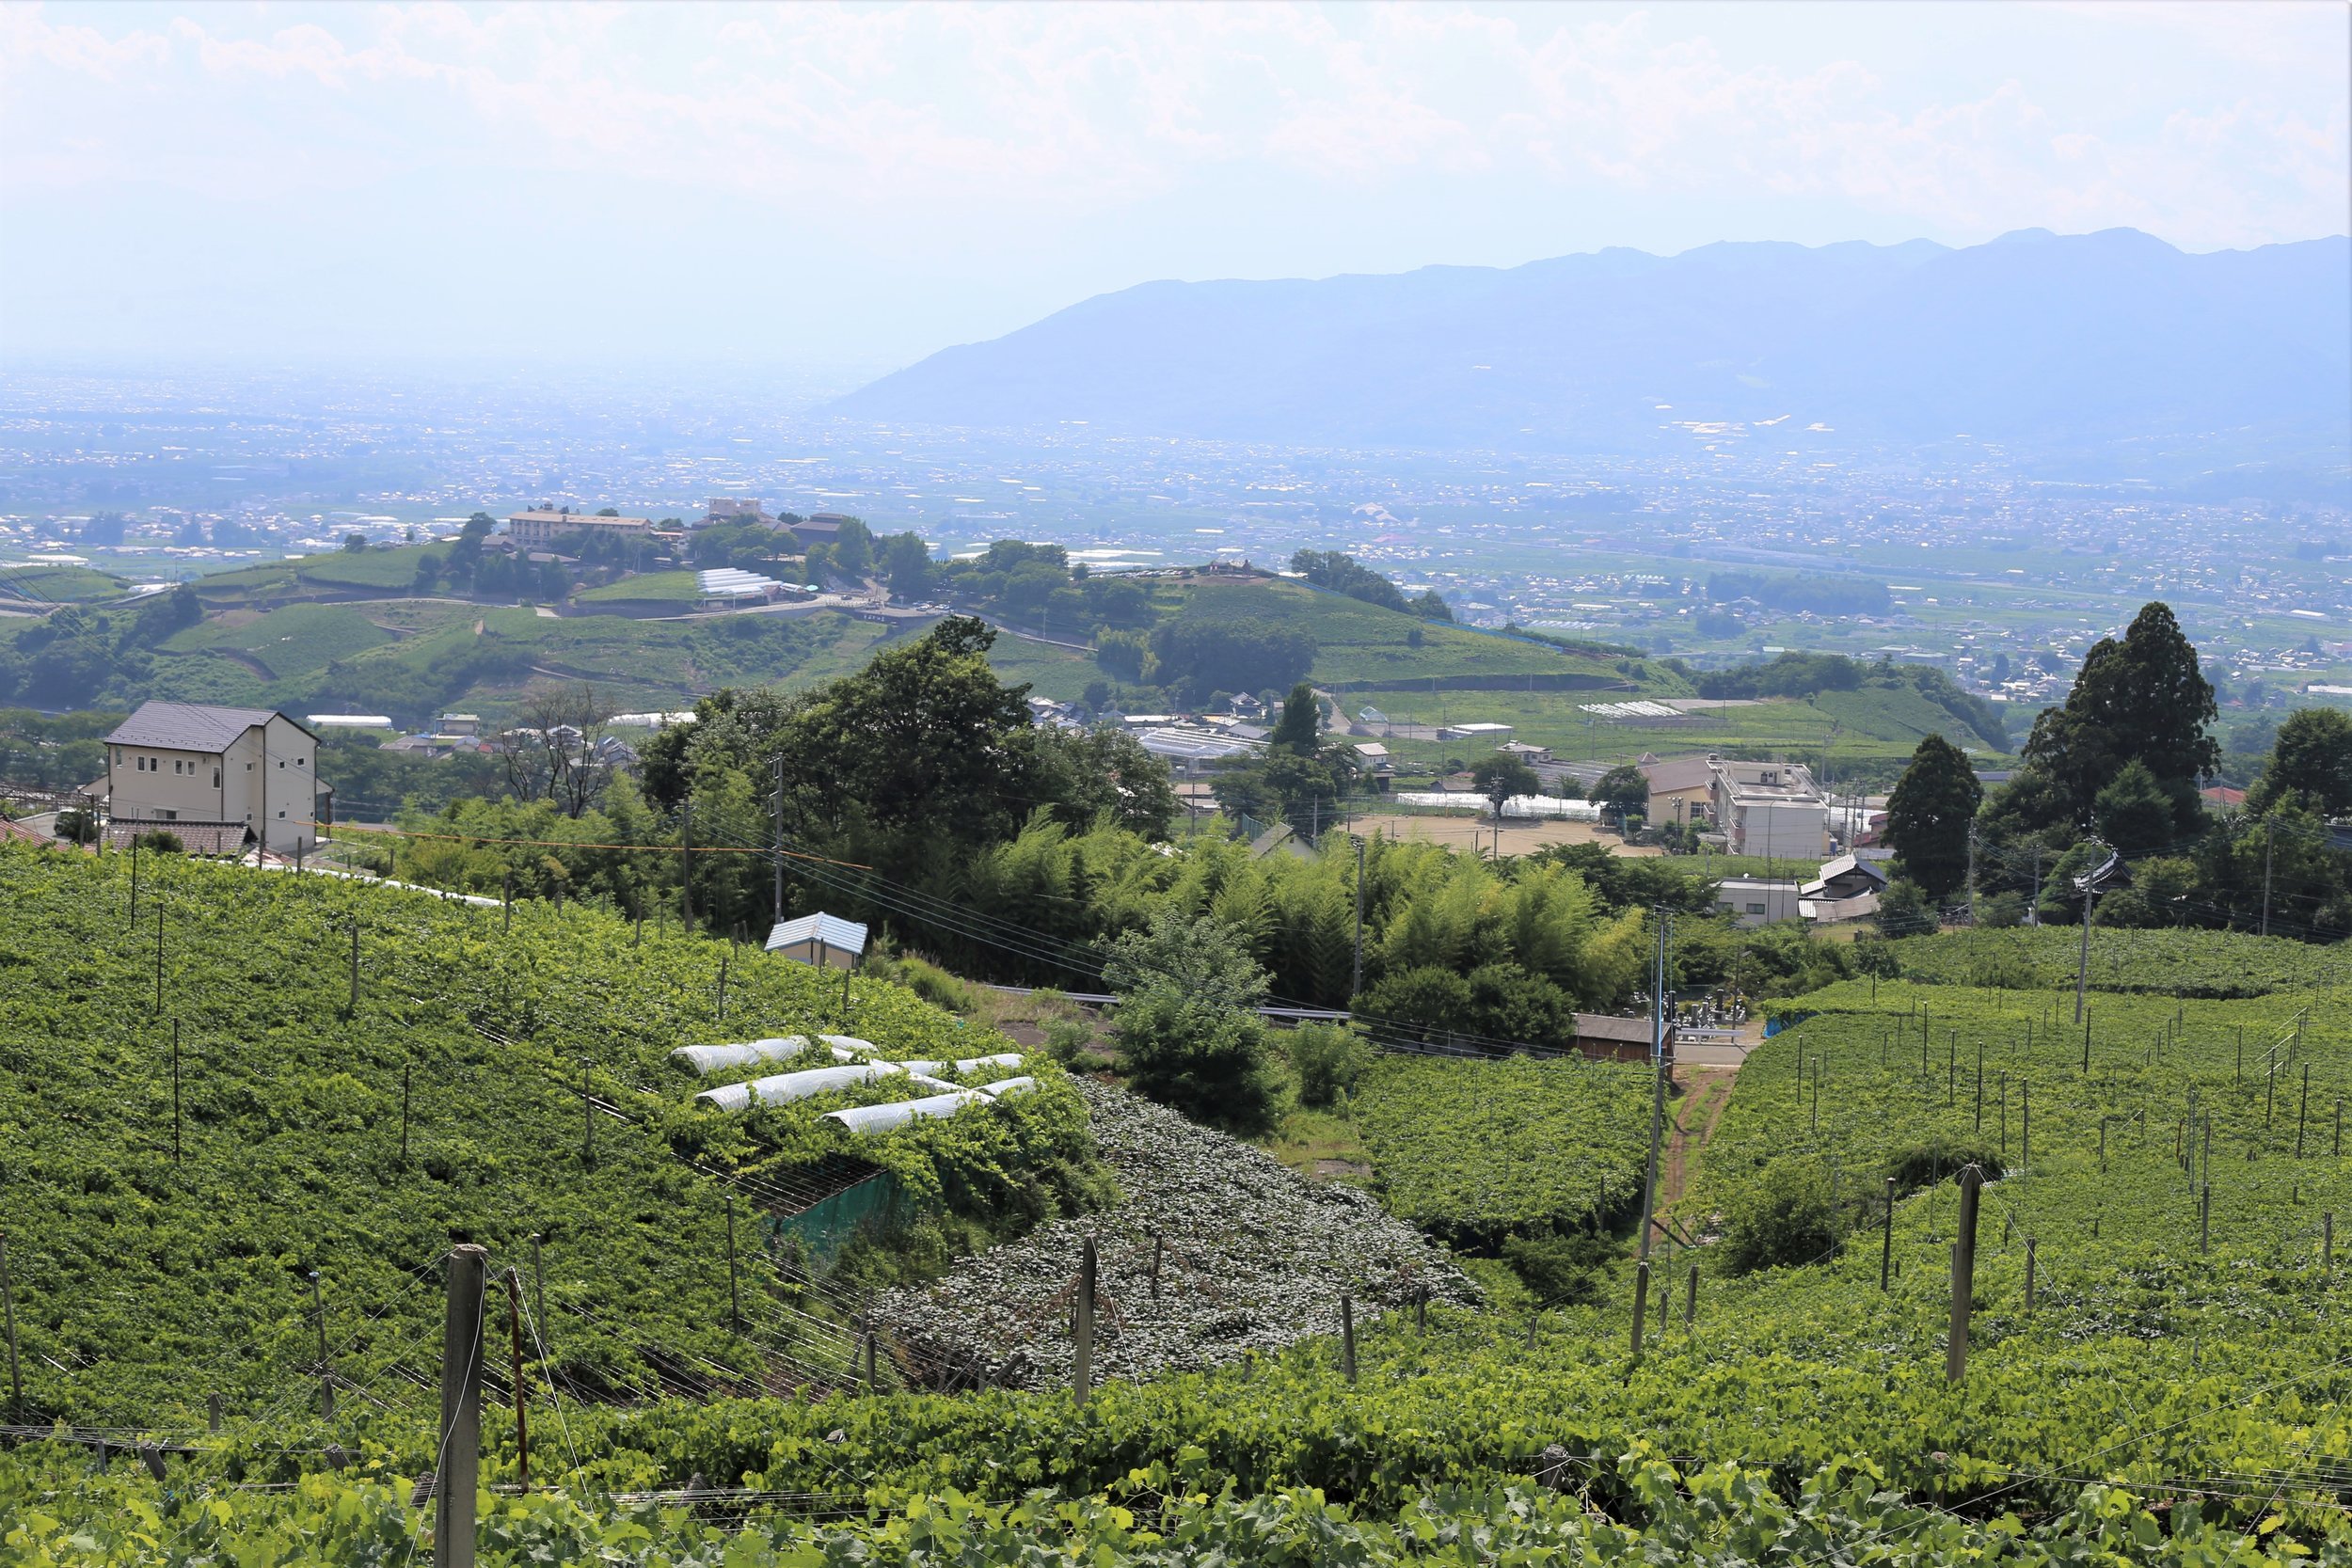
[{"x": 1771, "y": 809}]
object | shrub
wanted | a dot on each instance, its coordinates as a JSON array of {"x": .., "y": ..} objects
[
  {"x": 161, "y": 840},
  {"x": 2001, "y": 911},
  {"x": 1559, "y": 1270},
  {"x": 1782, "y": 1219},
  {"x": 1925, "y": 1165},
  {"x": 1066, "y": 1040},
  {"x": 1330, "y": 1060},
  {"x": 1205, "y": 1060}
]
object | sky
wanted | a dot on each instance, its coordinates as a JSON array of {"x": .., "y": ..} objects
[{"x": 837, "y": 190}]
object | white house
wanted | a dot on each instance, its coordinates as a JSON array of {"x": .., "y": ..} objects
[{"x": 214, "y": 775}]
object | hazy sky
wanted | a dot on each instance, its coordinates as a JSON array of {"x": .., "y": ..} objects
[{"x": 839, "y": 189}]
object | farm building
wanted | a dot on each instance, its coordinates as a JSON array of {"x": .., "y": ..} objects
[{"x": 825, "y": 941}]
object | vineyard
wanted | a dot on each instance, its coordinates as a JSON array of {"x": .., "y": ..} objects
[
  {"x": 1283, "y": 1372},
  {"x": 1474, "y": 1150},
  {"x": 196, "y": 1116},
  {"x": 2165, "y": 962}
]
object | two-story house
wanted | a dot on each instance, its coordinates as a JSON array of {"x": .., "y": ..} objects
[{"x": 218, "y": 777}]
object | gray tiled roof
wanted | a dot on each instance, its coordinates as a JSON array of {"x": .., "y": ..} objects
[{"x": 187, "y": 726}]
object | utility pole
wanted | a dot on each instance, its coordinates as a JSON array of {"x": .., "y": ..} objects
[
  {"x": 2082, "y": 972},
  {"x": 686, "y": 865},
  {"x": 778, "y": 915},
  {"x": 1356, "y": 984},
  {"x": 2267, "y": 843},
  {"x": 1972, "y": 872},
  {"x": 1658, "y": 1081}
]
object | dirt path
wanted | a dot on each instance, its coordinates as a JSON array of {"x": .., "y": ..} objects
[{"x": 1708, "y": 1091}]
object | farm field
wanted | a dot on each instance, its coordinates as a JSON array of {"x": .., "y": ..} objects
[
  {"x": 1475, "y": 1150},
  {"x": 182, "y": 1167},
  {"x": 289, "y": 642},
  {"x": 40, "y": 583},
  {"x": 2172, "y": 1394},
  {"x": 411, "y": 657}
]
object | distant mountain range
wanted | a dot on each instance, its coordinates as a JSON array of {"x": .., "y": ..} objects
[{"x": 2112, "y": 342}]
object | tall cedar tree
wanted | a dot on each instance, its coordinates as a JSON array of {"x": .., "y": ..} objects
[
  {"x": 1927, "y": 816},
  {"x": 2142, "y": 698}
]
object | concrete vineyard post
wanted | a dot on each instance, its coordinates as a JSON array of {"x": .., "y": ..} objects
[
  {"x": 1964, "y": 1275},
  {"x": 587, "y": 1115},
  {"x": 514, "y": 1351},
  {"x": 1159, "y": 1245},
  {"x": 1641, "y": 1303},
  {"x": 538, "y": 1288},
  {"x": 457, "y": 1476},
  {"x": 1421, "y": 1310},
  {"x": 327, "y": 1375},
  {"x": 686, "y": 867},
  {"x": 2326, "y": 1241},
  {"x": 2302, "y": 1110},
  {"x": 7, "y": 1312},
  {"x": 175, "y": 1092},
  {"x": 406, "y": 1069},
  {"x": 1886, "y": 1243},
  {"x": 1689, "y": 1299},
  {"x": 722, "y": 982},
  {"x": 2024, "y": 1125},
  {"x": 506, "y": 901},
  {"x": 353, "y": 1003},
  {"x": 872, "y": 1386},
  {"x": 2029, "y": 1273},
  {"x": 735, "y": 1289},
  {"x": 1347, "y": 1336},
  {"x": 211, "y": 1413},
  {"x": 2205, "y": 1220},
  {"x": 1082, "y": 1360}
]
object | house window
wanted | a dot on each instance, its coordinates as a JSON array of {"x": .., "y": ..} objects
[
  {"x": 1756, "y": 908},
  {"x": 299, "y": 761},
  {"x": 216, "y": 778},
  {"x": 171, "y": 817}
]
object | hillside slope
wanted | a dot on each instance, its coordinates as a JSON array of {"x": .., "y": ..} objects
[
  {"x": 146, "y": 1278},
  {"x": 2035, "y": 340}
]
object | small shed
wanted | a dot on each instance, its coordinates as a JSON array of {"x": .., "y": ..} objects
[
  {"x": 825, "y": 941},
  {"x": 1606, "y": 1038}
]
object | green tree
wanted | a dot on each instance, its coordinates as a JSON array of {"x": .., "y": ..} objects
[
  {"x": 1622, "y": 789},
  {"x": 1187, "y": 1028},
  {"x": 1300, "y": 729},
  {"x": 1782, "y": 1217},
  {"x": 1904, "y": 910},
  {"x": 2140, "y": 698},
  {"x": 1928, "y": 818},
  {"x": 1501, "y": 776},
  {"x": 906, "y": 565},
  {"x": 355, "y": 543},
  {"x": 1105, "y": 775},
  {"x": 2133, "y": 813},
  {"x": 2311, "y": 758}
]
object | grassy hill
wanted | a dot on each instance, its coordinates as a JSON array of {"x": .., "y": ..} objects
[
  {"x": 410, "y": 657},
  {"x": 161, "y": 1231},
  {"x": 37, "y": 585}
]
